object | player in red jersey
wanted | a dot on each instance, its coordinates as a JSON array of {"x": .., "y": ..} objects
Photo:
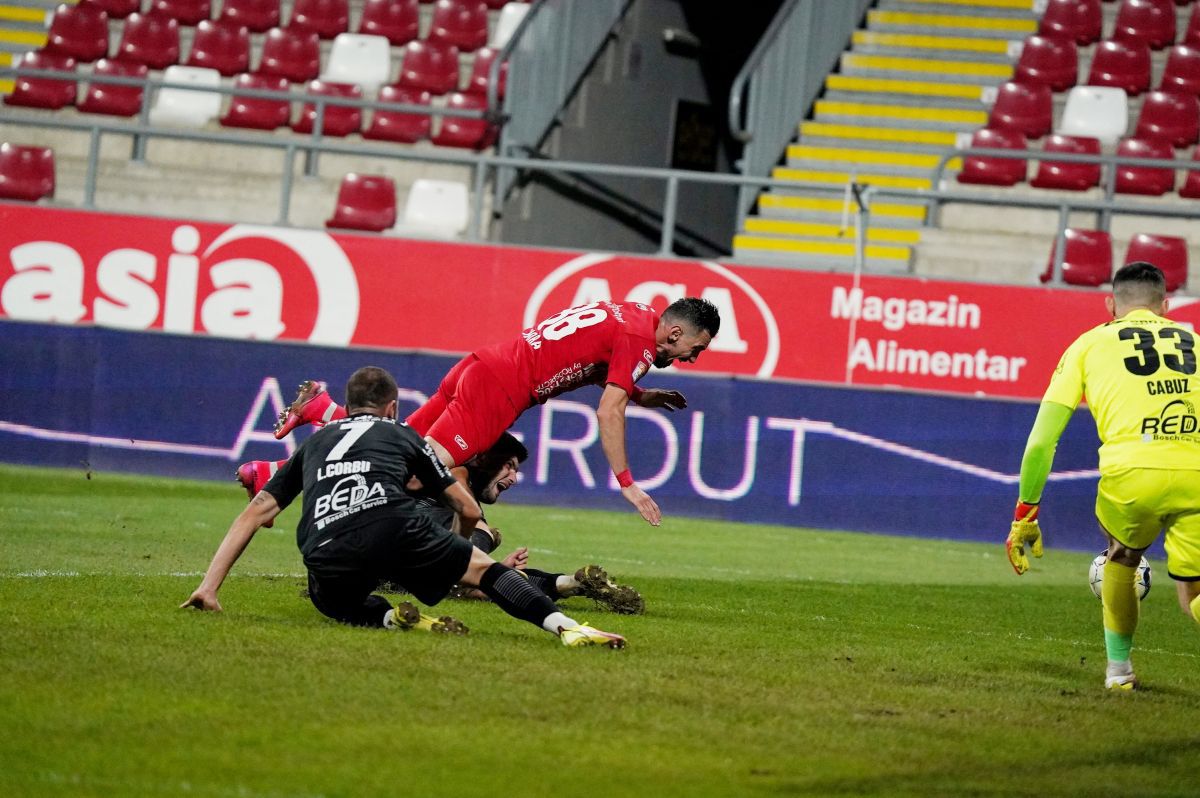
[{"x": 611, "y": 344}]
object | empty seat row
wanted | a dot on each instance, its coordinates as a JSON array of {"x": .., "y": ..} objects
[
  {"x": 260, "y": 14},
  {"x": 1151, "y": 22},
  {"x": 26, "y": 173},
  {"x": 1088, "y": 257},
  {"x": 368, "y": 202},
  {"x": 1126, "y": 65}
]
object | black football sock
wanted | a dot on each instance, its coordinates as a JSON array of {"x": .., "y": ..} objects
[
  {"x": 545, "y": 582},
  {"x": 514, "y": 594}
]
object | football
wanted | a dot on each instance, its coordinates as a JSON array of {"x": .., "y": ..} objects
[{"x": 1096, "y": 575}]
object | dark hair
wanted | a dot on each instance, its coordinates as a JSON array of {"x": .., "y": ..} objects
[
  {"x": 370, "y": 386},
  {"x": 1139, "y": 283},
  {"x": 700, "y": 313}
]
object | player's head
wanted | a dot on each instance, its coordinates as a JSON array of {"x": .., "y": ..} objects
[
  {"x": 495, "y": 471},
  {"x": 685, "y": 330},
  {"x": 1138, "y": 285},
  {"x": 371, "y": 390}
]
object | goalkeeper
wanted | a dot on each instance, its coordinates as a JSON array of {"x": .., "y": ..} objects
[{"x": 1139, "y": 374}]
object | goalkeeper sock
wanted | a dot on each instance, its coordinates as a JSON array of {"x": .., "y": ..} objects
[
  {"x": 1120, "y": 609},
  {"x": 1195, "y": 607}
]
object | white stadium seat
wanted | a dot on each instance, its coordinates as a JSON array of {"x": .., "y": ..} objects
[
  {"x": 187, "y": 107},
  {"x": 1101, "y": 112},
  {"x": 435, "y": 208},
  {"x": 510, "y": 17},
  {"x": 359, "y": 58}
]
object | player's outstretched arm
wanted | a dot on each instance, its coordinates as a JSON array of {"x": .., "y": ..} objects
[
  {"x": 261, "y": 509},
  {"x": 655, "y": 397},
  {"x": 611, "y": 417},
  {"x": 1025, "y": 530}
]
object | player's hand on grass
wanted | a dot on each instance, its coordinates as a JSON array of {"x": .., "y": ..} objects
[
  {"x": 656, "y": 397},
  {"x": 1025, "y": 531},
  {"x": 202, "y": 600},
  {"x": 644, "y": 504}
]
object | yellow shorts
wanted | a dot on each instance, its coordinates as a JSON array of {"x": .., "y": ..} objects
[{"x": 1135, "y": 504}]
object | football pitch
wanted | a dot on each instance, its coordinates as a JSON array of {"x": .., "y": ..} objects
[{"x": 770, "y": 661}]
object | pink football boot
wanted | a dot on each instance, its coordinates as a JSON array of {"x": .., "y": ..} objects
[
  {"x": 253, "y": 475},
  {"x": 312, "y": 405}
]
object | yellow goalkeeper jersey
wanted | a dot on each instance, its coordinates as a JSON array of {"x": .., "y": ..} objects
[{"x": 1139, "y": 375}]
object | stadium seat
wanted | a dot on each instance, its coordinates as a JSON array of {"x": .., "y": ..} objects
[
  {"x": 466, "y": 132},
  {"x": 398, "y": 20},
  {"x": 365, "y": 202},
  {"x": 1182, "y": 71},
  {"x": 1078, "y": 20},
  {"x": 185, "y": 12},
  {"x": 26, "y": 173},
  {"x": 481, "y": 69},
  {"x": 327, "y": 17},
  {"x": 462, "y": 23},
  {"x": 1124, "y": 65},
  {"x": 43, "y": 92},
  {"x": 359, "y": 58},
  {"x": 439, "y": 208},
  {"x": 1169, "y": 253},
  {"x": 430, "y": 66},
  {"x": 1087, "y": 258},
  {"x": 982, "y": 170},
  {"x": 291, "y": 54},
  {"x": 116, "y": 9},
  {"x": 259, "y": 113},
  {"x": 1049, "y": 62},
  {"x": 110, "y": 98},
  {"x": 1098, "y": 111},
  {"x": 187, "y": 107},
  {"x": 1145, "y": 180},
  {"x": 495, "y": 5},
  {"x": 1149, "y": 21},
  {"x": 150, "y": 39},
  {"x": 80, "y": 32},
  {"x": 510, "y": 18},
  {"x": 257, "y": 16},
  {"x": 340, "y": 120},
  {"x": 1063, "y": 175},
  {"x": 221, "y": 45},
  {"x": 1191, "y": 184},
  {"x": 1170, "y": 116},
  {"x": 398, "y": 125},
  {"x": 1191, "y": 36},
  {"x": 1025, "y": 107}
]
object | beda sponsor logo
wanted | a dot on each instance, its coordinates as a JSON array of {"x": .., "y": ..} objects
[
  {"x": 748, "y": 342},
  {"x": 349, "y": 495},
  {"x": 234, "y": 288},
  {"x": 1177, "y": 417}
]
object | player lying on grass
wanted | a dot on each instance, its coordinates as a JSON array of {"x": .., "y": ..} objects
[
  {"x": 610, "y": 344},
  {"x": 488, "y": 475},
  {"x": 360, "y": 527},
  {"x": 1139, "y": 374}
]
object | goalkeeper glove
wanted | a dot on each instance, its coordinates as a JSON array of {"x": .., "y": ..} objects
[{"x": 1024, "y": 531}]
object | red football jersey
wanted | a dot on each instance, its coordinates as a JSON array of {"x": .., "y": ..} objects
[{"x": 593, "y": 344}]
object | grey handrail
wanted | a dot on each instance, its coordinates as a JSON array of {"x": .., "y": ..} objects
[
  {"x": 738, "y": 89},
  {"x": 493, "y": 87}
]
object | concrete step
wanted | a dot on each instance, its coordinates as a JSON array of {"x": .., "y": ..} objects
[
  {"x": 938, "y": 70},
  {"x": 836, "y": 210},
  {"x": 933, "y": 45},
  {"x": 965, "y": 95},
  {"x": 821, "y": 231},
  {"x": 824, "y": 134},
  {"x": 884, "y": 161},
  {"x": 972, "y": 25},
  {"x": 1021, "y": 9},
  {"x": 768, "y": 250},
  {"x": 805, "y": 179}
]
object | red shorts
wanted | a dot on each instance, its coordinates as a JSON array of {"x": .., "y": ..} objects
[{"x": 467, "y": 413}]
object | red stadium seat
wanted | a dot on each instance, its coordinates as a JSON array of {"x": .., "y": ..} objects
[
  {"x": 496, "y": 5},
  {"x": 340, "y": 120},
  {"x": 365, "y": 202},
  {"x": 1182, "y": 72},
  {"x": 116, "y": 9},
  {"x": 1149, "y": 21},
  {"x": 150, "y": 39},
  {"x": 26, "y": 173},
  {"x": 1191, "y": 36},
  {"x": 80, "y": 32},
  {"x": 982, "y": 170},
  {"x": 327, "y": 17},
  {"x": 1024, "y": 107},
  {"x": 1170, "y": 116},
  {"x": 1191, "y": 185},
  {"x": 399, "y": 125},
  {"x": 1049, "y": 62},
  {"x": 258, "y": 16},
  {"x": 292, "y": 54},
  {"x": 43, "y": 92},
  {"x": 481, "y": 68},
  {"x": 1078, "y": 20},
  {"x": 1121, "y": 64},
  {"x": 462, "y": 23},
  {"x": 430, "y": 66},
  {"x": 1168, "y": 253},
  {"x": 1068, "y": 176},
  {"x": 1145, "y": 180},
  {"x": 185, "y": 12},
  {"x": 110, "y": 98},
  {"x": 1087, "y": 258},
  {"x": 221, "y": 45},
  {"x": 466, "y": 132},
  {"x": 396, "y": 19},
  {"x": 259, "y": 113}
]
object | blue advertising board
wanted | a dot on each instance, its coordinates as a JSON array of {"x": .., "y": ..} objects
[{"x": 743, "y": 450}]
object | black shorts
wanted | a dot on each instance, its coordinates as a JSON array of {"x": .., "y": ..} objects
[{"x": 427, "y": 559}]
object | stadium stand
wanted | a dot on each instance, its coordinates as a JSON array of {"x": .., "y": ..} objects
[
  {"x": 1169, "y": 253},
  {"x": 1100, "y": 112},
  {"x": 435, "y": 209},
  {"x": 1145, "y": 180},
  {"x": 110, "y": 98},
  {"x": 185, "y": 12},
  {"x": 1182, "y": 70},
  {"x": 291, "y": 53},
  {"x": 1048, "y": 62},
  {"x": 430, "y": 66},
  {"x": 259, "y": 113},
  {"x": 1087, "y": 258},
  {"x": 1191, "y": 184},
  {"x": 399, "y": 126},
  {"x": 1078, "y": 20},
  {"x": 1121, "y": 64},
  {"x": 257, "y": 16},
  {"x": 46, "y": 93},
  {"x": 150, "y": 39},
  {"x": 1066, "y": 175},
  {"x": 221, "y": 45},
  {"x": 397, "y": 20},
  {"x": 116, "y": 9},
  {"x": 187, "y": 107},
  {"x": 26, "y": 173},
  {"x": 1171, "y": 116},
  {"x": 80, "y": 32},
  {"x": 994, "y": 171},
  {"x": 327, "y": 18},
  {"x": 461, "y": 131},
  {"x": 365, "y": 202},
  {"x": 1149, "y": 21},
  {"x": 359, "y": 58},
  {"x": 338, "y": 120},
  {"x": 1025, "y": 107},
  {"x": 461, "y": 23}
]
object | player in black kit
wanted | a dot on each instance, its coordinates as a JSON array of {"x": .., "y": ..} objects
[{"x": 360, "y": 526}]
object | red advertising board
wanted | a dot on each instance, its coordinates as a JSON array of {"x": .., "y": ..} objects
[{"x": 271, "y": 283}]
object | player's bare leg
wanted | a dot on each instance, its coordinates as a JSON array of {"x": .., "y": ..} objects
[
  {"x": 1189, "y": 599},
  {"x": 312, "y": 405}
]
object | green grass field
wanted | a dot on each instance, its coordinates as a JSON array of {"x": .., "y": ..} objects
[{"x": 771, "y": 661}]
